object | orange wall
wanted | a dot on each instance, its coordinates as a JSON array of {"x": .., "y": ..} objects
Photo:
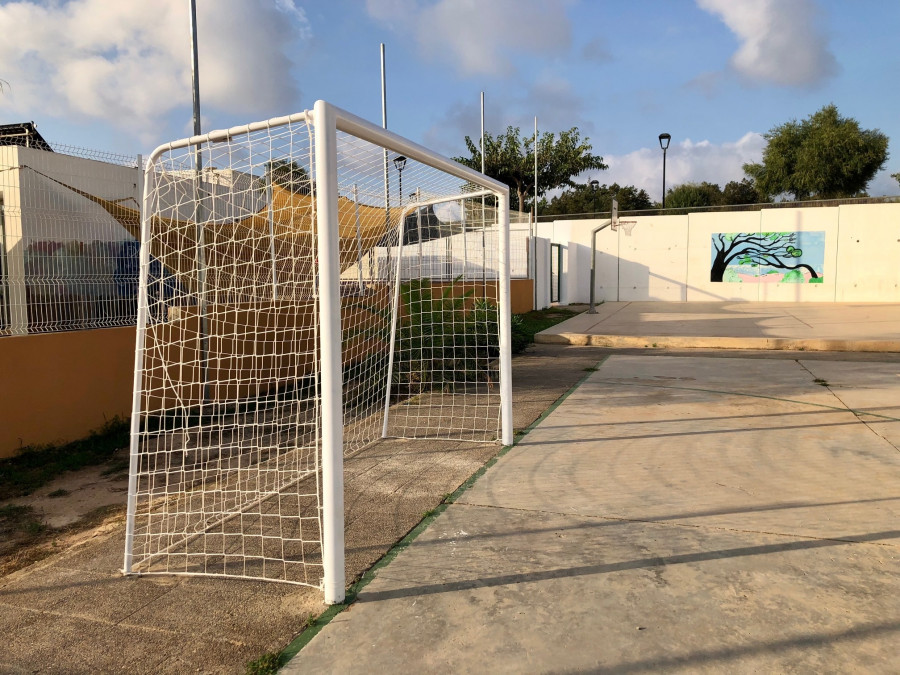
[
  {"x": 57, "y": 387},
  {"x": 60, "y": 386},
  {"x": 521, "y": 292}
]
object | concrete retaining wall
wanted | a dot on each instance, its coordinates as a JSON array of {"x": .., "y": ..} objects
[{"x": 669, "y": 258}]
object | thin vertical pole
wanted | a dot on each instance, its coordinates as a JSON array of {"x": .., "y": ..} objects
[
  {"x": 664, "y": 179},
  {"x": 140, "y": 337},
  {"x": 533, "y": 243},
  {"x": 359, "y": 251},
  {"x": 395, "y": 312},
  {"x": 483, "y": 216},
  {"x": 270, "y": 193},
  {"x": 387, "y": 189},
  {"x": 503, "y": 293},
  {"x": 330, "y": 353},
  {"x": 195, "y": 68},
  {"x": 200, "y": 251},
  {"x": 419, "y": 235}
]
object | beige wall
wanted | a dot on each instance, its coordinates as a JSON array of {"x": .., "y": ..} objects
[
  {"x": 60, "y": 386},
  {"x": 668, "y": 257}
]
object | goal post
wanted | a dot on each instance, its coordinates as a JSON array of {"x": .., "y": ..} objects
[{"x": 295, "y": 306}]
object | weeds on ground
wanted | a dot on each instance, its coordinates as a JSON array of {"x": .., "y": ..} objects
[
  {"x": 18, "y": 520},
  {"x": 267, "y": 664},
  {"x": 525, "y": 326},
  {"x": 38, "y": 465}
]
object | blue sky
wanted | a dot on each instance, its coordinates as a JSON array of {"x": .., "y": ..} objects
[{"x": 715, "y": 74}]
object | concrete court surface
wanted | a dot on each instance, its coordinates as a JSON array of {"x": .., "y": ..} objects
[
  {"x": 676, "y": 513},
  {"x": 807, "y": 326},
  {"x": 75, "y": 613}
]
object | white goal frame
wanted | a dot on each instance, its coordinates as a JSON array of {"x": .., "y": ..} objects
[{"x": 327, "y": 120}]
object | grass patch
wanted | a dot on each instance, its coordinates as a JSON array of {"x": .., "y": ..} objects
[
  {"x": 526, "y": 326},
  {"x": 36, "y": 466},
  {"x": 821, "y": 382},
  {"x": 62, "y": 492},
  {"x": 267, "y": 664},
  {"x": 20, "y": 520}
]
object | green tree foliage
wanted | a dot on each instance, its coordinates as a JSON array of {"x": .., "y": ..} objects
[
  {"x": 689, "y": 195},
  {"x": 741, "y": 192},
  {"x": 585, "y": 199},
  {"x": 825, "y": 156},
  {"x": 509, "y": 158},
  {"x": 896, "y": 177},
  {"x": 289, "y": 175}
]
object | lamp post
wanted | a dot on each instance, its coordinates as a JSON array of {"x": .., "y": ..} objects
[
  {"x": 399, "y": 163},
  {"x": 664, "y": 144}
]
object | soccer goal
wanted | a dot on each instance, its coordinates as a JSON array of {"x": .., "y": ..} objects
[{"x": 309, "y": 285}]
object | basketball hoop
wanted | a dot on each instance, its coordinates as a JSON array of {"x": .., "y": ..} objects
[{"x": 615, "y": 223}]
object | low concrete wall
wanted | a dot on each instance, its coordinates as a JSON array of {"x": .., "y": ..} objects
[
  {"x": 669, "y": 257},
  {"x": 60, "y": 386}
]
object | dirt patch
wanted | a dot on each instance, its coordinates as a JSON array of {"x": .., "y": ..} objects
[
  {"x": 73, "y": 495},
  {"x": 73, "y": 507}
]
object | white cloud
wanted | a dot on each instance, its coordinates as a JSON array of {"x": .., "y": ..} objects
[
  {"x": 479, "y": 38},
  {"x": 780, "y": 40},
  {"x": 129, "y": 63},
  {"x": 686, "y": 162}
]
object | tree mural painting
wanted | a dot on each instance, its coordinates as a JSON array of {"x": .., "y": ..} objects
[{"x": 760, "y": 257}]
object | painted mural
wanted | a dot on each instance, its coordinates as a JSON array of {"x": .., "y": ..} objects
[{"x": 768, "y": 257}]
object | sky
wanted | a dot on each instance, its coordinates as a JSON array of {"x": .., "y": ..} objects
[{"x": 115, "y": 75}]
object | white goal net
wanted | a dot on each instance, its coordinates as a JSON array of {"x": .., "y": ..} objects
[{"x": 309, "y": 286}]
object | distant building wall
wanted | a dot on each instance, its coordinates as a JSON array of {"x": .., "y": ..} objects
[{"x": 847, "y": 253}]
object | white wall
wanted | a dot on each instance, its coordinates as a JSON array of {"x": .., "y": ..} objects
[{"x": 669, "y": 257}]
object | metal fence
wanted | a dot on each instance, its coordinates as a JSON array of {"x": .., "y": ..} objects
[
  {"x": 68, "y": 254},
  {"x": 69, "y": 230}
]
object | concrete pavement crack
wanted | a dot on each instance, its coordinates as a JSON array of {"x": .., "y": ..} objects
[{"x": 857, "y": 413}]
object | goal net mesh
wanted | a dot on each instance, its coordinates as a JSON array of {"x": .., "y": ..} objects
[{"x": 226, "y": 452}]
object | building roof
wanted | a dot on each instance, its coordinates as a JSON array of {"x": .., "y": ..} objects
[{"x": 24, "y": 134}]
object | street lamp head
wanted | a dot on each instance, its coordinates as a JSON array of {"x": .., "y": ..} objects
[
  {"x": 663, "y": 141},
  {"x": 594, "y": 184},
  {"x": 399, "y": 162}
]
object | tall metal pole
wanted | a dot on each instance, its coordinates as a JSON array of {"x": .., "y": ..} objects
[
  {"x": 664, "y": 179},
  {"x": 483, "y": 216},
  {"x": 198, "y": 210},
  {"x": 533, "y": 242},
  {"x": 195, "y": 68},
  {"x": 387, "y": 189}
]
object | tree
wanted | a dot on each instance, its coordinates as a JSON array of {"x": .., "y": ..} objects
[
  {"x": 585, "y": 199},
  {"x": 689, "y": 195},
  {"x": 289, "y": 175},
  {"x": 825, "y": 156},
  {"x": 510, "y": 159},
  {"x": 896, "y": 177},
  {"x": 743, "y": 192},
  {"x": 773, "y": 249}
]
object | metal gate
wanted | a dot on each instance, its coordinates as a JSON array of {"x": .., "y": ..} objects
[{"x": 556, "y": 263}]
